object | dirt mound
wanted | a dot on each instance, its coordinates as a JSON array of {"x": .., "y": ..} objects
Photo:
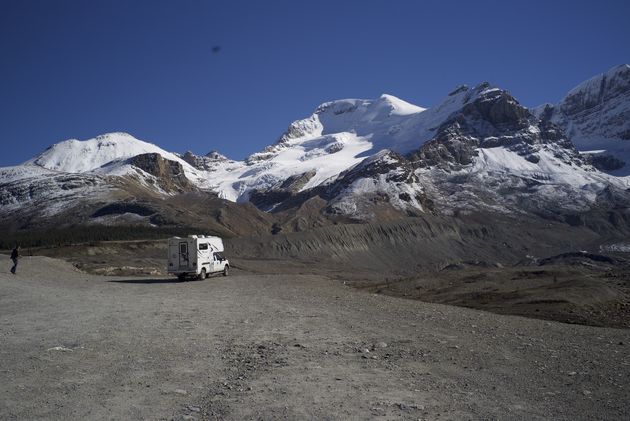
[
  {"x": 583, "y": 258},
  {"x": 589, "y": 295},
  {"x": 428, "y": 242}
]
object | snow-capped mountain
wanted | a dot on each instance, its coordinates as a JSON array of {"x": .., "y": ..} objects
[
  {"x": 493, "y": 154},
  {"x": 337, "y": 136},
  {"x": 80, "y": 156},
  {"x": 106, "y": 154},
  {"x": 478, "y": 150},
  {"x": 75, "y": 173},
  {"x": 596, "y": 117},
  {"x": 26, "y": 188}
]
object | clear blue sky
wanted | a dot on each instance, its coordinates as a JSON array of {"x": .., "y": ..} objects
[{"x": 76, "y": 69}]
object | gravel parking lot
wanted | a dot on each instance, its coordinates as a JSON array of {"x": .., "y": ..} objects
[{"x": 261, "y": 346}]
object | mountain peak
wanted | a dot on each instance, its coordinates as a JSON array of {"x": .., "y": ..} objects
[
  {"x": 600, "y": 87},
  {"x": 620, "y": 68},
  {"x": 345, "y": 115},
  {"x": 397, "y": 106},
  {"x": 208, "y": 162},
  {"x": 78, "y": 156},
  {"x": 115, "y": 136},
  {"x": 390, "y": 104},
  {"x": 214, "y": 154},
  {"x": 595, "y": 114}
]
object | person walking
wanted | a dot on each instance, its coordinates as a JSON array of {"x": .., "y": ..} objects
[{"x": 15, "y": 255}]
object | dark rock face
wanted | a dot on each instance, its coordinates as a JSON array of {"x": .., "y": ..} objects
[
  {"x": 534, "y": 159},
  {"x": 605, "y": 162},
  {"x": 286, "y": 191},
  {"x": 601, "y": 90},
  {"x": 215, "y": 155},
  {"x": 492, "y": 118},
  {"x": 396, "y": 167},
  {"x": 298, "y": 129},
  {"x": 498, "y": 108},
  {"x": 390, "y": 181},
  {"x": 192, "y": 159},
  {"x": 296, "y": 182},
  {"x": 169, "y": 175},
  {"x": 65, "y": 184},
  {"x": 449, "y": 148},
  {"x": 596, "y": 114},
  {"x": 205, "y": 163},
  {"x": 267, "y": 200},
  {"x": 387, "y": 169}
]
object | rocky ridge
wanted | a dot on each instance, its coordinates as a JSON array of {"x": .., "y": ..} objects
[{"x": 596, "y": 117}]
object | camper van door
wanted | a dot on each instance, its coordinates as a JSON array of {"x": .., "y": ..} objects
[
  {"x": 216, "y": 264},
  {"x": 184, "y": 258}
]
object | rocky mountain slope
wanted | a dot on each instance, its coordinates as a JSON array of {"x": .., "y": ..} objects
[
  {"x": 477, "y": 151},
  {"x": 596, "y": 117},
  {"x": 116, "y": 179}
]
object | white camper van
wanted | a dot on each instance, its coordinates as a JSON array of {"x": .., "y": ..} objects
[{"x": 196, "y": 255}]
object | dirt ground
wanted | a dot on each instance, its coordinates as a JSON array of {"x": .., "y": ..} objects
[
  {"x": 291, "y": 346},
  {"x": 597, "y": 296},
  {"x": 589, "y": 289}
]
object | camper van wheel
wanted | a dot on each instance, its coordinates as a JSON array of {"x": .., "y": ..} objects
[
  {"x": 225, "y": 270},
  {"x": 181, "y": 277},
  {"x": 203, "y": 275}
]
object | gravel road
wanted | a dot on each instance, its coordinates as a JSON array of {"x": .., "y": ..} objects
[{"x": 247, "y": 346}]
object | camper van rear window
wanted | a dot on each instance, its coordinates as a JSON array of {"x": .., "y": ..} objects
[{"x": 203, "y": 247}]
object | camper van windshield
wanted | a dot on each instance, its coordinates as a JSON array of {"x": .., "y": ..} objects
[{"x": 203, "y": 247}]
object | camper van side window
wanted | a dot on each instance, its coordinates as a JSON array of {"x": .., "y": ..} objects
[{"x": 203, "y": 247}]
